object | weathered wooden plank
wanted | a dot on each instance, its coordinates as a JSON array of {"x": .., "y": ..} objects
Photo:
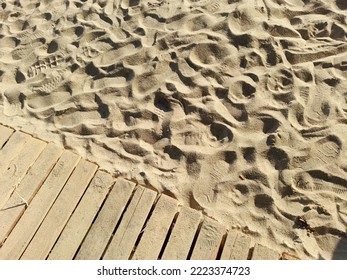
[
  {"x": 18, "y": 167},
  {"x": 156, "y": 229},
  {"x": 261, "y": 252},
  {"x": 182, "y": 235},
  {"x": 57, "y": 217},
  {"x": 31, "y": 219},
  {"x": 5, "y": 134},
  {"x": 236, "y": 246},
  {"x": 11, "y": 149},
  {"x": 101, "y": 231},
  {"x": 209, "y": 240},
  {"x": 27, "y": 188},
  {"x": 289, "y": 257},
  {"x": 130, "y": 227},
  {"x": 82, "y": 218}
]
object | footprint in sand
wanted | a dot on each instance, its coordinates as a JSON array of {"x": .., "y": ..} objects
[
  {"x": 206, "y": 54},
  {"x": 207, "y": 188},
  {"x": 53, "y": 81},
  {"x": 318, "y": 109},
  {"x": 44, "y": 65},
  {"x": 13, "y": 100},
  {"x": 221, "y": 132},
  {"x": 320, "y": 182},
  {"x": 199, "y": 3},
  {"x": 23, "y": 51},
  {"x": 280, "y": 83},
  {"x": 327, "y": 150},
  {"x": 217, "y": 6},
  {"x": 87, "y": 53}
]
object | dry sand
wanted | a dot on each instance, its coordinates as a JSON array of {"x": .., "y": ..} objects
[{"x": 237, "y": 108}]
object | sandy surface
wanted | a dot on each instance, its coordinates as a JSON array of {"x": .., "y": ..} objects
[{"x": 237, "y": 108}]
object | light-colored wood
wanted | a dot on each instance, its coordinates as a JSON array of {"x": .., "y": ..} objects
[
  {"x": 57, "y": 217},
  {"x": 236, "y": 246},
  {"x": 18, "y": 167},
  {"x": 82, "y": 218},
  {"x": 11, "y": 149},
  {"x": 48, "y": 208},
  {"x": 209, "y": 240},
  {"x": 130, "y": 227},
  {"x": 182, "y": 235},
  {"x": 289, "y": 257},
  {"x": 27, "y": 188},
  {"x": 5, "y": 134},
  {"x": 261, "y": 252},
  {"x": 101, "y": 231},
  {"x": 156, "y": 229},
  {"x": 31, "y": 219}
]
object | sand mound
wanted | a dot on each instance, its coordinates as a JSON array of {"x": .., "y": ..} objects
[{"x": 237, "y": 108}]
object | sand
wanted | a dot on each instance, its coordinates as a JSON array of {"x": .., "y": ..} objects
[{"x": 235, "y": 108}]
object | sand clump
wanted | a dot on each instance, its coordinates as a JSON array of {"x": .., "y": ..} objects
[{"x": 236, "y": 108}]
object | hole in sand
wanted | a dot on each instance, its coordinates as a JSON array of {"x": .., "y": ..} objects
[
  {"x": 52, "y": 47},
  {"x": 230, "y": 157},
  {"x": 341, "y": 4},
  {"x": 103, "y": 108},
  {"x": 79, "y": 31},
  {"x": 278, "y": 158},
  {"x": 193, "y": 166},
  {"x": 48, "y": 16},
  {"x": 134, "y": 3},
  {"x": 270, "y": 125},
  {"x": 247, "y": 89},
  {"x": 271, "y": 140},
  {"x": 221, "y": 132},
  {"x": 242, "y": 189},
  {"x": 91, "y": 70},
  {"x": 161, "y": 102},
  {"x": 20, "y": 78},
  {"x": 249, "y": 154},
  {"x": 263, "y": 201},
  {"x": 174, "y": 152},
  {"x": 325, "y": 108},
  {"x": 106, "y": 19}
]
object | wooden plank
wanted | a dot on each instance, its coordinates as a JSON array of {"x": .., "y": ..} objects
[
  {"x": 18, "y": 167},
  {"x": 289, "y": 257},
  {"x": 209, "y": 240},
  {"x": 261, "y": 252},
  {"x": 81, "y": 220},
  {"x": 26, "y": 227},
  {"x": 130, "y": 227},
  {"x": 182, "y": 235},
  {"x": 11, "y": 149},
  {"x": 156, "y": 229},
  {"x": 5, "y": 134},
  {"x": 57, "y": 217},
  {"x": 27, "y": 188},
  {"x": 101, "y": 231},
  {"x": 236, "y": 246}
]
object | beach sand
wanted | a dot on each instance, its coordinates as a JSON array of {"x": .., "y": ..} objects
[{"x": 235, "y": 108}]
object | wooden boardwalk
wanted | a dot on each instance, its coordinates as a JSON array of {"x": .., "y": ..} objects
[{"x": 56, "y": 205}]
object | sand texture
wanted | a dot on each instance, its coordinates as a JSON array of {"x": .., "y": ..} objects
[{"x": 236, "y": 108}]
